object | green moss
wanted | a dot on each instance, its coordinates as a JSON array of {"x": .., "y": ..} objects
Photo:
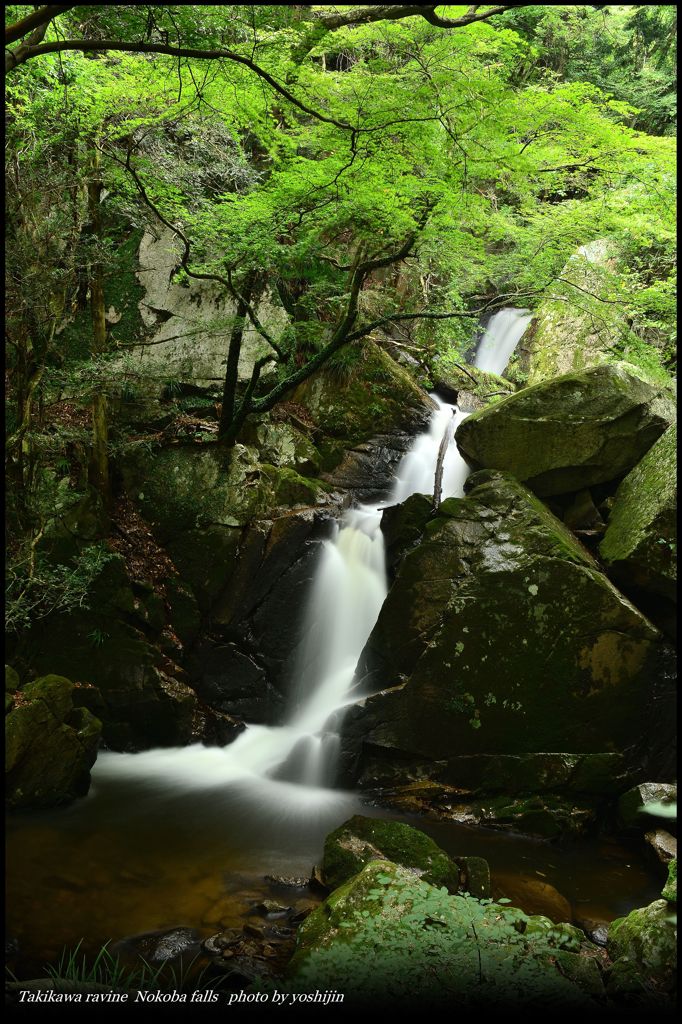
[
  {"x": 388, "y": 936},
  {"x": 360, "y": 840},
  {"x": 11, "y": 679},
  {"x": 641, "y": 538},
  {"x": 669, "y": 892}
]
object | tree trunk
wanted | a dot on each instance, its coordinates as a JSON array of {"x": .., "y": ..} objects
[
  {"x": 98, "y": 470},
  {"x": 226, "y": 430}
]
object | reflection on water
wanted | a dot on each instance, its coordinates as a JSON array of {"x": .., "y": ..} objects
[{"x": 140, "y": 854}]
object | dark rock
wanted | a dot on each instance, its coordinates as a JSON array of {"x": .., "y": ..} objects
[
  {"x": 11, "y": 680},
  {"x": 287, "y": 881},
  {"x": 272, "y": 909},
  {"x": 361, "y": 840},
  {"x": 474, "y": 876},
  {"x": 402, "y": 526},
  {"x": 161, "y": 946},
  {"x": 663, "y": 844},
  {"x": 570, "y": 432},
  {"x": 631, "y": 804},
  {"x": 50, "y": 745},
  {"x": 500, "y": 636},
  {"x": 232, "y": 680},
  {"x": 582, "y": 516}
]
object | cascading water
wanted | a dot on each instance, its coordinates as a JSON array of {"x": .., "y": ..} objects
[
  {"x": 288, "y": 765},
  {"x": 503, "y": 333}
]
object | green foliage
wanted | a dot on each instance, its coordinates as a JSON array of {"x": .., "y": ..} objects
[{"x": 37, "y": 587}]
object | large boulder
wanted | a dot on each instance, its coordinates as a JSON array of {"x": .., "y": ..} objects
[
  {"x": 365, "y": 412},
  {"x": 386, "y": 936},
  {"x": 501, "y": 636},
  {"x": 361, "y": 840},
  {"x": 574, "y": 329},
  {"x": 566, "y": 434},
  {"x": 640, "y": 543},
  {"x": 50, "y": 745}
]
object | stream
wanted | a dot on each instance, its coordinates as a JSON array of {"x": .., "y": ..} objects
[{"x": 185, "y": 836}]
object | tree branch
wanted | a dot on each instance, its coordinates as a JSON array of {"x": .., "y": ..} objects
[
  {"x": 13, "y": 58},
  {"x": 41, "y": 16}
]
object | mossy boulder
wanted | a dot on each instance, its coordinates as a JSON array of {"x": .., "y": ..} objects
[
  {"x": 501, "y": 636},
  {"x": 467, "y": 386},
  {"x": 645, "y": 940},
  {"x": 390, "y": 938},
  {"x": 369, "y": 396},
  {"x": 361, "y": 840},
  {"x": 50, "y": 745},
  {"x": 571, "y": 432},
  {"x": 183, "y": 489},
  {"x": 573, "y": 330},
  {"x": 640, "y": 543}
]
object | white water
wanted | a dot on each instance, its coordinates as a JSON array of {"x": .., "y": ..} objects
[
  {"x": 288, "y": 766},
  {"x": 503, "y": 333}
]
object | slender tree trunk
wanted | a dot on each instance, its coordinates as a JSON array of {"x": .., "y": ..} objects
[
  {"x": 98, "y": 470},
  {"x": 225, "y": 427}
]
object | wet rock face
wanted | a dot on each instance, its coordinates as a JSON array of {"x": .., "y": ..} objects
[
  {"x": 501, "y": 636},
  {"x": 570, "y": 432},
  {"x": 640, "y": 544},
  {"x": 51, "y": 744}
]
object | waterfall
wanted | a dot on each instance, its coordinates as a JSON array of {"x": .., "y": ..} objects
[
  {"x": 503, "y": 333},
  {"x": 288, "y": 765}
]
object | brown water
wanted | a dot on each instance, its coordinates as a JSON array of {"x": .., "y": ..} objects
[{"x": 136, "y": 856}]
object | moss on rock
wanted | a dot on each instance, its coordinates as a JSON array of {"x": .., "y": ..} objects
[
  {"x": 389, "y": 937},
  {"x": 361, "y": 840},
  {"x": 640, "y": 544},
  {"x": 500, "y": 636},
  {"x": 571, "y": 432},
  {"x": 646, "y": 941},
  {"x": 50, "y": 745}
]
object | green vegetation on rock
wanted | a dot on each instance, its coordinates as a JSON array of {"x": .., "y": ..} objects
[
  {"x": 386, "y": 936},
  {"x": 50, "y": 745},
  {"x": 640, "y": 543},
  {"x": 361, "y": 840}
]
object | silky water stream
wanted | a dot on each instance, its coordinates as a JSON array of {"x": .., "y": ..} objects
[{"x": 185, "y": 836}]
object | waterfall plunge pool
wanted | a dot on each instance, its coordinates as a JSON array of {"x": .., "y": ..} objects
[{"x": 185, "y": 837}]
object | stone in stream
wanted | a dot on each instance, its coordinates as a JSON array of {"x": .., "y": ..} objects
[
  {"x": 501, "y": 637},
  {"x": 50, "y": 744},
  {"x": 631, "y": 806},
  {"x": 388, "y": 937},
  {"x": 361, "y": 840},
  {"x": 640, "y": 544},
  {"x": 571, "y": 432},
  {"x": 663, "y": 844}
]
